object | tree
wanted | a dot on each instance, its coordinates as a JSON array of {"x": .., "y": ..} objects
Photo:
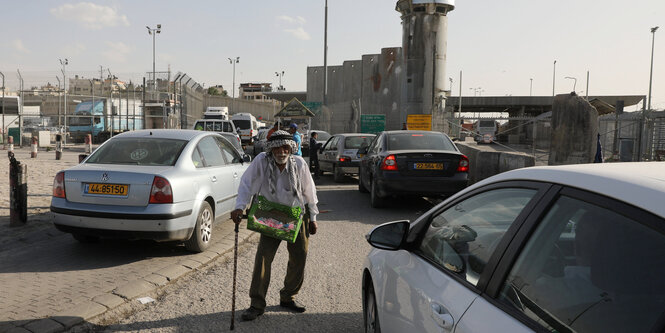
[{"x": 213, "y": 91}]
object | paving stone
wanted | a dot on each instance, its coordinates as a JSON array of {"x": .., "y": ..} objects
[
  {"x": 16, "y": 330},
  {"x": 6, "y": 326},
  {"x": 157, "y": 279},
  {"x": 173, "y": 272},
  {"x": 44, "y": 326},
  {"x": 134, "y": 289},
  {"x": 79, "y": 313},
  {"x": 192, "y": 264},
  {"x": 109, "y": 300}
]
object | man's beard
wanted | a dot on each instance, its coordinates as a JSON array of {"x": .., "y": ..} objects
[{"x": 281, "y": 158}]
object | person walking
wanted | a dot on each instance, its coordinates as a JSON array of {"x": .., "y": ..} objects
[
  {"x": 314, "y": 147},
  {"x": 272, "y": 130},
  {"x": 281, "y": 177},
  {"x": 293, "y": 129}
]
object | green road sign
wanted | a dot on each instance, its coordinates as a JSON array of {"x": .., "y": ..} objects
[{"x": 372, "y": 123}]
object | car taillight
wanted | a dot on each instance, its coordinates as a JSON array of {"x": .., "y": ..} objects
[
  {"x": 389, "y": 163},
  {"x": 463, "y": 165},
  {"x": 344, "y": 159},
  {"x": 161, "y": 191},
  {"x": 59, "y": 185}
]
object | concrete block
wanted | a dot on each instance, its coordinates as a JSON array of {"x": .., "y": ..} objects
[
  {"x": 44, "y": 326},
  {"x": 173, "y": 272},
  {"x": 157, "y": 279},
  {"x": 134, "y": 289},
  {"x": 15, "y": 330},
  {"x": 109, "y": 300},
  {"x": 79, "y": 313}
]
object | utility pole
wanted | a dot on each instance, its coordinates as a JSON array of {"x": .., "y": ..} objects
[
  {"x": 57, "y": 77},
  {"x": 325, "y": 57},
  {"x": 653, "y": 39},
  {"x": 64, "y": 78},
  {"x": 20, "y": 110},
  {"x": 4, "y": 141},
  {"x": 554, "y": 79},
  {"x": 154, "y": 32}
]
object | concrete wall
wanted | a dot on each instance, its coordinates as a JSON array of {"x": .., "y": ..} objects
[
  {"x": 484, "y": 164},
  {"x": 574, "y": 130}
]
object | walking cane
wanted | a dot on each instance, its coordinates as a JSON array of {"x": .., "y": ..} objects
[{"x": 235, "y": 271}]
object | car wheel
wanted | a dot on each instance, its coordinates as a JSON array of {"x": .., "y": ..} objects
[
  {"x": 338, "y": 175},
  {"x": 361, "y": 186},
  {"x": 86, "y": 239},
  {"x": 202, "y": 233},
  {"x": 370, "y": 311},
  {"x": 375, "y": 200}
]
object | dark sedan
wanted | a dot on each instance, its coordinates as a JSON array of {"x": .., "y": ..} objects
[{"x": 420, "y": 163}]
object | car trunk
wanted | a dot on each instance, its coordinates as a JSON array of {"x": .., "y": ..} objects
[
  {"x": 110, "y": 185},
  {"x": 427, "y": 164}
]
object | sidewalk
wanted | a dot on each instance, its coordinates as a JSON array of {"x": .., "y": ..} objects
[{"x": 50, "y": 282}]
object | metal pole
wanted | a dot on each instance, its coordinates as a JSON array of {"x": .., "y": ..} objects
[
  {"x": 459, "y": 107},
  {"x": 64, "y": 84},
  {"x": 325, "y": 58},
  {"x": 530, "y": 86},
  {"x": 58, "y": 100},
  {"x": 587, "y": 85},
  {"x": 154, "y": 78},
  {"x": 92, "y": 107},
  {"x": 3, "y": 109},
  {"x": 653, "y": 38},
  {"x": 554, "y": 79},
  {"x": 20, "y": 110}
]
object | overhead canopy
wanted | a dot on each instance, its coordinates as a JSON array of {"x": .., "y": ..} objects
[
  {"x": 285, "y": 96},
  {"x": 294, "y": 109}
]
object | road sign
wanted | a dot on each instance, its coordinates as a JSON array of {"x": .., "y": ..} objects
[
  {"x": 419, "y": 122},
  {"x": 372, "y": 123}
]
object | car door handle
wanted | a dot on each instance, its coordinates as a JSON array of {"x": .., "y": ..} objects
[
  {"x": 441, "y": 316},
  {"x": 214, "y": 179}
]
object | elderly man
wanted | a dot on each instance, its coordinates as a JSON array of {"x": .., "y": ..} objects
[{"x": 281, "y": 177}]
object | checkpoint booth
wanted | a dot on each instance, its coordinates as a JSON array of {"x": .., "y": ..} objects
[{"x": 295, "y": 112}]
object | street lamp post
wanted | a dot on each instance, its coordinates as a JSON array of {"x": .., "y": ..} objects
[
  {"x": 20, "y": 110},
  {"x": 280, "y": 75},
  {"x": 574, "y": 83},
  {"x": 64, "y": 79},
  {"x": 58, "y": 78},
  {"x": 154, "y": 32},
  {"x": 653, "y": 38},
  {"x": 234, "y": 62},
  {"x": 530, "y": 86},
  {"x": 554, "y": 79}
]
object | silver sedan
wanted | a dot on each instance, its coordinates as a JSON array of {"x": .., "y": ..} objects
[{"x": 164, "y": 185}]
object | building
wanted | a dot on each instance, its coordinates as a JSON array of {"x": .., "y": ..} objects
[{"x": 255, "y": 92}]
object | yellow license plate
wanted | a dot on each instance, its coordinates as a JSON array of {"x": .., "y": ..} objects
[
  {"x": 428, "y": 166},
  {"x": 106, "y": 189}
]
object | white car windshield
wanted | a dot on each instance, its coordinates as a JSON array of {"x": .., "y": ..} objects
[{"x": 138, "y": 151}]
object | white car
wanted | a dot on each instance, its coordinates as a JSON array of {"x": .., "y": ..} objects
[
  {"x": 576, "y": 248},
  {"x": 164, "y": 185}
]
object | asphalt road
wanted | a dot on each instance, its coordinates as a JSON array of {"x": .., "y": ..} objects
[{"x": 201, "y": 302}]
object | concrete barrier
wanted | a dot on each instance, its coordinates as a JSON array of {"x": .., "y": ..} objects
[{"x": 487, "y": 163}]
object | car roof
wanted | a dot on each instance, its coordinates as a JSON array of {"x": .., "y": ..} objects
[
  {"x": 641, "y": 184},
  {"x": 412, "y": 131},
  {"x": 180, "y": 134},
  {"x": 355, "y": 134}
]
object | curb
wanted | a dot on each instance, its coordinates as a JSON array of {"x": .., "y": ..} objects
[{"x": 128, "y": 292}]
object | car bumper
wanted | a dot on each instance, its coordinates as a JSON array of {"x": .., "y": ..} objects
[
  {"x": 348, "y": 167},
  {"x": 156, "y": 222},
  {"x": 393, "y": 184}
]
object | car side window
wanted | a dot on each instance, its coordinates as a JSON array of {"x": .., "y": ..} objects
[
  {"x": 210, "y": 152},
  {"x": 462, "y": 238},
  {"x": 333, "y": 143},
  {"x": 374, "y": 148},
  {"x": 589, "y": 269},
  {"x": 196, "y": 159},
  {"x": 228, "y": 152}
]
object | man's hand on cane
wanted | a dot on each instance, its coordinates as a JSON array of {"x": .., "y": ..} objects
[{"x": 236, "y": 216}]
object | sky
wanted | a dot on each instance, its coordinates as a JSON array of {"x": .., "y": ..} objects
[{"x": 501, "y": 47}]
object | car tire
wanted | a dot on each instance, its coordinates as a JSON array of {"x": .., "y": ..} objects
[
  {"x": 370, "y": 313},
  {"x": 361, "y": 186},
  {"x": 338, "y": 176},
  {"x": 374, "y": 199},
  {"x": 86, "y": 239},
  {"x": 200, "y": 239}
]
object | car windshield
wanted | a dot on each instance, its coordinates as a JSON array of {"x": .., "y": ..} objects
[
  {"x": 80, "y": 121},
  {"x": 242, "y": 124},
  {"x": 413, "y": 141},
  {"x": 355, "y": 142},
  {"x": 138, "y": 151}
]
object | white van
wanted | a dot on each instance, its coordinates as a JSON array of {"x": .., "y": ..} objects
[
  {"x": 247, "y": 126},
  {"x": 216, "y": 112}
]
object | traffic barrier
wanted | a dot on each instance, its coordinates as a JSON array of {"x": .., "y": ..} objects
[
  {"x": 88, "y": 143},
  {"x": 33, "y": 145},
  {"x": 11, "y": 145},
  {"x": 58, "y": 146},
  {"x": 18, "y": 192}
]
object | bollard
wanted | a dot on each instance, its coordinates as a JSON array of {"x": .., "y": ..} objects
[
  {"x": 18, "y": 192},
  {"x": 58, "y": 146},
  {"x": 33, "y": 145},
  {"x": 88, "y": 143},
  {"x": 11, "y": 145}
]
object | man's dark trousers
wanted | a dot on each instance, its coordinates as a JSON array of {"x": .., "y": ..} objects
[{"x": 295, "y": 271}]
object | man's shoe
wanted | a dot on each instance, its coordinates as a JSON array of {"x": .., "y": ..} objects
[
  {"x": 251, "y": 314},
  {"x": 293, "y": 306}
]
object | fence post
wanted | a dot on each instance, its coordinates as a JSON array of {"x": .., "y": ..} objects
[
  {"x": 58, "y": 146},
  {"x": 33, "y": 146}
]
